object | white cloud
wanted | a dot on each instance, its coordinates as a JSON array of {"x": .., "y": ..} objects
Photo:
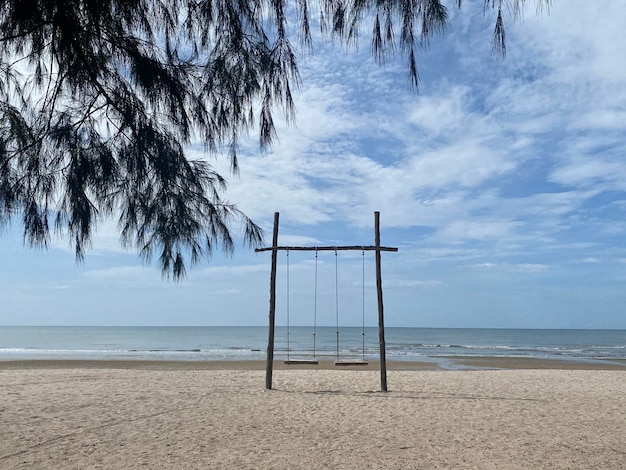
[
  {"x": 298, "y": 240},
  {"x": 412, "y": 283},
  {"x": 587, "y": 172},
  {"x": 117, "y": 273},
  {"x": 531, "y": 267},
  {"x": 479, "y": 230}
]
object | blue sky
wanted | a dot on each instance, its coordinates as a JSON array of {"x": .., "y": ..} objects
[{"x": 502, "y": 183}]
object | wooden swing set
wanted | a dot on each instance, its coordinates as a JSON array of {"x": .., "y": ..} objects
[{"x": 379, "y": 288}]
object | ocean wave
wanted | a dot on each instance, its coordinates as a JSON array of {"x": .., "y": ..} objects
[
  {"x": 156, "y": 353},
  {"x": 250, "y": 343}
]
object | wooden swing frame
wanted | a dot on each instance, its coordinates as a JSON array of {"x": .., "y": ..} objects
[{"x": 379, "y": 289}]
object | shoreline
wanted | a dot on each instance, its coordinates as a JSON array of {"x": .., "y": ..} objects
[{"x": 439, "y": 363}]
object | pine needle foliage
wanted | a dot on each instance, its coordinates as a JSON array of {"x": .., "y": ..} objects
[{"x": 99, "y": 98}]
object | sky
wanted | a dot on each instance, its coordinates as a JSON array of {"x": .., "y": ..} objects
[{"x": 502, "y": 183}]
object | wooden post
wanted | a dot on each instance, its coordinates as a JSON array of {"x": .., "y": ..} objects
[
  {"x": 381, "y": 315},
  {"x": 270, "y": 341}
]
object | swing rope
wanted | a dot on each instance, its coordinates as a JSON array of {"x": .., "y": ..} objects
[
  {"x": 363, "y": 303},
  {"x": 288, "y": 326},
  {"x": 315, "y": 295},
  {"x": 315, "y": 309},
  {"x": 337, "y": 299}
]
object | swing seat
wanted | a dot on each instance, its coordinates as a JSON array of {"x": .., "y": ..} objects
[
  {"x": 351, "y": 362},
  {"x": 310, "y": 362}
]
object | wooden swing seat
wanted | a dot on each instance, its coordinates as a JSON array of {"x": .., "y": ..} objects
[
  {"x": 351, "y": 362},
  {"x": 310, "y": 362}
]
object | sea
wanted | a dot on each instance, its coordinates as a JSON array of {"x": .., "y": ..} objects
[{"x": 250, "y": 343}]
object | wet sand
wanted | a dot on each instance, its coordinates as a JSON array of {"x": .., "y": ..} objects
[{"x": 441, "y": 363}]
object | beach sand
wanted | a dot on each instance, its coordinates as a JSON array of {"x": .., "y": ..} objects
[{"x": 131, "y": 415}]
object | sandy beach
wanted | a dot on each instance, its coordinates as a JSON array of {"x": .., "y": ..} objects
[{"x": 124, "y": 415}]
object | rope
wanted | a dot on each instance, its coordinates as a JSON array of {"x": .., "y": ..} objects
[
  {"x": 337, "y": 300},
  {"x": 315, "y": 308},
  {"x": 363, "y": 303},
  {"x": 288, "y": 344}
]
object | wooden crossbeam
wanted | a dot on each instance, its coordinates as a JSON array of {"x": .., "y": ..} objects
[{"x": 327, "y": 248}]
